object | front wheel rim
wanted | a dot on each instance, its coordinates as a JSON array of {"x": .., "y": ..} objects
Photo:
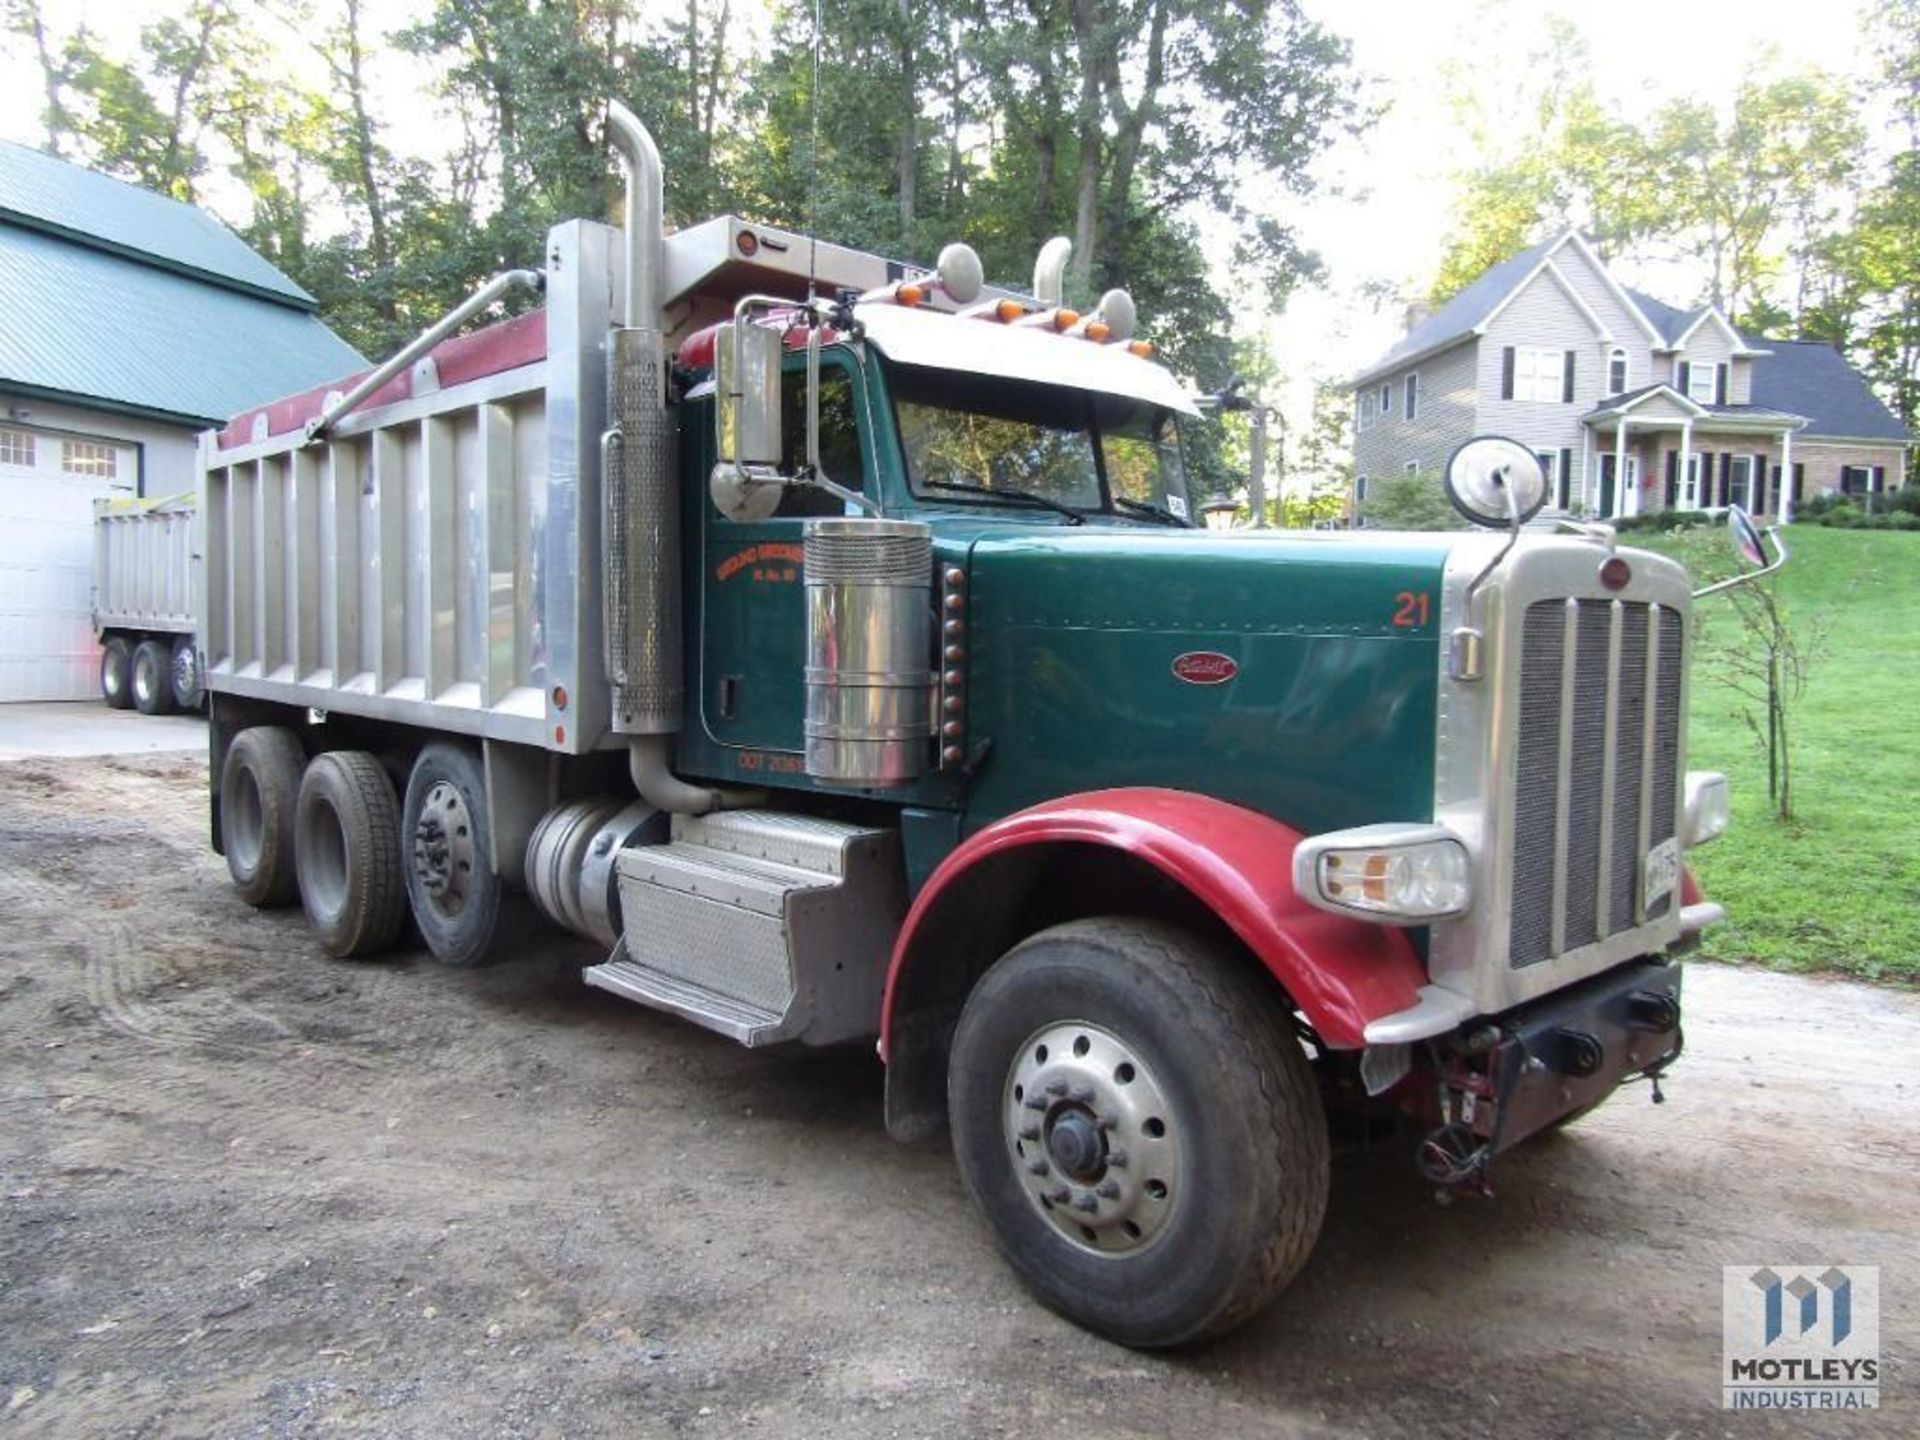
[{"x": 1092, "y": 1139}]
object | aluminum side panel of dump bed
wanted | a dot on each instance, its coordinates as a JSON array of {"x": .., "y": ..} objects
[
  {"x": 143, "y": 565},
  {"x": 436, "y": 560}
]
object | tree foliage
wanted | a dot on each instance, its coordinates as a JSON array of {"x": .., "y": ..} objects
[{"x": 1001, "y": 122}]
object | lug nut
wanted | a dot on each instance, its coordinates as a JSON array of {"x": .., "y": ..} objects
[
  {"x": 1034, "y": 1102},
  {"x": 1037, "y": 1166},
  {"x": 1059, "y": 1195},
  {"x": 1108, "y": 1190},
  {"x": 1108, "y": 1121},
  {"x": 1082, "y": 1095},
  {"x": 1087, "y": 1203},
  {"x": 1056, "y": 1087},
  {"x": 1030, "y": 1132},
  {"x": 1117, "y": 1159}
]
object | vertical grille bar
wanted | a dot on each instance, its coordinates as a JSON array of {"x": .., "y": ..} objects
[
  {"x": 1536, "y": 804},
  {"x": 1630, "y": 735},
  {"x": 1587, "y": 763},
  {"x": 1666, "y": 742}
]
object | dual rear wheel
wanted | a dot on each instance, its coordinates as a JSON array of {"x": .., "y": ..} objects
[{"x": 333, "y": 832}]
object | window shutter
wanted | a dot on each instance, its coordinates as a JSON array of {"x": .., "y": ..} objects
[
  {"x": 1726, "y": 477},
  {"x": 1758, "y": 499},
  {"x": 1506, "y": 372},
  {"x": 1566, "y": 476},
  {"x": 1566, "y": 378},
  {"x": 1673, "y": 478},
  {"x": 1686, "y": 378},
  {"x": 1720, "y": 384}
]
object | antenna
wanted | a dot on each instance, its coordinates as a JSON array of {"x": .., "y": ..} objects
[{"x": 813, "y": 163}]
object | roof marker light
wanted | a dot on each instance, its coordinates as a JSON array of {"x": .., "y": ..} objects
[
  {"x": 1065, "y": 319},
  {"x": 1097, "y": 331},
  {"x": 1142, "y": 348}
]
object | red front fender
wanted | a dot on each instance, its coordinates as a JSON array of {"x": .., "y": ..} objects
[{"x": 1239, "y": 864}]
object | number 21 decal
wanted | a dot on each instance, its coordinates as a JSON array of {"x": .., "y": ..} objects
[{"x": 1415, "y": 609}]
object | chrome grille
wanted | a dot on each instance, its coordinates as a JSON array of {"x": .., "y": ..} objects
[{"x": 1595, "y": 774}]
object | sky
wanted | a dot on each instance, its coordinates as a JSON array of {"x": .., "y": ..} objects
[{"x": 1380, "y": 217}]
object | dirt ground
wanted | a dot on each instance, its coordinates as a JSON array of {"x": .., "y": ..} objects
[{"x": 251, "y": 1191}]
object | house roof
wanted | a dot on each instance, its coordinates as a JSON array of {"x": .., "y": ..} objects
[
  {"x": 1671, "y": 321},
  {"x": 1811, "y": 378},
  {"x": 166, "y": 313},
  {"x": 1464, "y": 313},
  {"x": 44, "y": 193}
]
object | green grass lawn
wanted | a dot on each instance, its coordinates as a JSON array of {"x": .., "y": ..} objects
[{"x": 1838, "y": 887}]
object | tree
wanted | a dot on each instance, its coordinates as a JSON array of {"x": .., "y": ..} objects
[{"x": 1407, "y": 502}]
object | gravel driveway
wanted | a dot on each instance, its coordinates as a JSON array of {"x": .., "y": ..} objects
[{"x": 248, "y": 1190}]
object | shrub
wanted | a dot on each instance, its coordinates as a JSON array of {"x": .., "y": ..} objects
[
  {"x": 1845, "y": 516},
  {"x": 1820, "y": 506},
  {"x": 1663, "y": 522},
  {"x": 1902, "y": 520}
]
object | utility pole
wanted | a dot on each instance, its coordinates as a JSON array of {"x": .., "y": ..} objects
[{"x": 1257, "y": 468}]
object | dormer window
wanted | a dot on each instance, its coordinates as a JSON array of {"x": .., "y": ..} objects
[
  {"x": 1700, "y": 383},
  {"x": 1617, "y": 372}
]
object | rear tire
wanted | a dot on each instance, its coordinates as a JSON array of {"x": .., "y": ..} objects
[
  {"x": 1141, "y": 1130},
  {"x": 153, "y": 678},
  {"x": 346, "y": 841},
  {"x": 451, "y": 885},
  {"x": 184, "y": 672},
  {"x": 259, "y": 793},
  {"x": 116, "y": 673}
]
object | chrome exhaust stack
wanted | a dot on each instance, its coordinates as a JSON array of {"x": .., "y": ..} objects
[{"x": 640, "y": 542}]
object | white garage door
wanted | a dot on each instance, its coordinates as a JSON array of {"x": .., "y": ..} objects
[{"x": 47, "y": 488}]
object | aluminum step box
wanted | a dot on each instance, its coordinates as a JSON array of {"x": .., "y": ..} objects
[{"x": 762, "y": 925}]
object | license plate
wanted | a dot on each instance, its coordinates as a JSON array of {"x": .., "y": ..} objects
[{"x": 1661, "y": 871}]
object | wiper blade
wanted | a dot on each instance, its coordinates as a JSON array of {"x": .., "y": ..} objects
[
  {"x": 1154, "y": 512},
  {"x": 1025, "y": 497}
]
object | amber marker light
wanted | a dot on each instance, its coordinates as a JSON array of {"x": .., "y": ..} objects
[
  {"x": 1098, "y": 332},
  {"x": 1065, "y": 319},
  {"x": 1009, "y": 310},
  {"x": 909, "y": 295},
  {"x": 1142, "y": 348}
]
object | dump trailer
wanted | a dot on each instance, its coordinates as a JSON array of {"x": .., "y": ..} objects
[
  {"x": 827, "y": 641},
  {"x": 143, "y": 604}
]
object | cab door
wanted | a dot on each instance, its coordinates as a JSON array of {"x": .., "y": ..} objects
[{"x": 753, "y": 615}]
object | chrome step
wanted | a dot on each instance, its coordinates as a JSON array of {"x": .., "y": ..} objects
[
  {"x": 761, "y": 925},
  {"x": 738, "y": 1021}
]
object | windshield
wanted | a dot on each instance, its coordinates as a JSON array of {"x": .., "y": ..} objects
[{"x": 1071, "y": 447}]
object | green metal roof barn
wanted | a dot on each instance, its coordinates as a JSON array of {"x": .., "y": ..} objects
[{"x": 128, "y": 323}]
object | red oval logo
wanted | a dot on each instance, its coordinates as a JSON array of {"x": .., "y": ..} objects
[{"x": 1205, "y": 667}]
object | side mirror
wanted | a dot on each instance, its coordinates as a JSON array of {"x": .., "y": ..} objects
[
  {"x": 1496, "y": 482},
  {"x": 1745, "y": 536},
  {"x": 1750, "y": 545},
  {"x": 746, "y": 395}
]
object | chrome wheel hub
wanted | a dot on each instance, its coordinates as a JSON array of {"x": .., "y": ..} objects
[
  {"x": 443, "y": 848},
  {"x": 1091, "y": 1136}
]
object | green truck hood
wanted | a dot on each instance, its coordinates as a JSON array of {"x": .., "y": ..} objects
[{"x": 1292, "y": 673}]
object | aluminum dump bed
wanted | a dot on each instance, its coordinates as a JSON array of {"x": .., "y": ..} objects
[
  {"x": 143, "y": 565},
  {"x": 433, "y": 561}
]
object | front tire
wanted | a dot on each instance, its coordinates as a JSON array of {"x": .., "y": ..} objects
[
  {"x": 1142, "y": 1131},
  {"x": 451, "y": 885},
  {"x": 153, "y": 678},
  {"x": 116, "y": 673},
  {"x": 346, "y": 842}
]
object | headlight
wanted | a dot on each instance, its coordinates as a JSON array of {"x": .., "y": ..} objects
[
  {"x": 1404, "y": 874},
  {"x": 1709, "y": 806}
]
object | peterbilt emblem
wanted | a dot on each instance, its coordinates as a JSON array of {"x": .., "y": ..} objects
[{"x": 1205, "y": 667}]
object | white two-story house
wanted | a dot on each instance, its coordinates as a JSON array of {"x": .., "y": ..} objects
[{"x": 1631, "y": 405}]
